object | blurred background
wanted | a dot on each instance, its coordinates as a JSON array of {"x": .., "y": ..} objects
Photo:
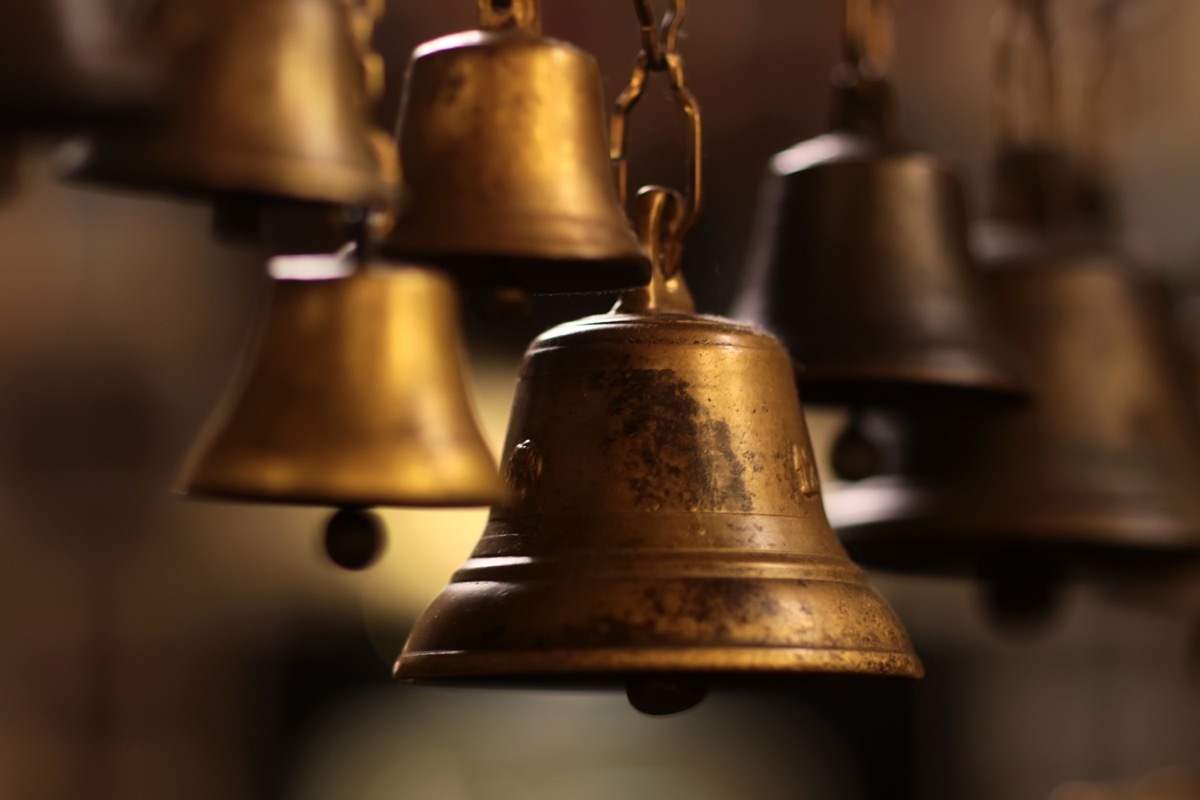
[{"x": 157, "y": 648}]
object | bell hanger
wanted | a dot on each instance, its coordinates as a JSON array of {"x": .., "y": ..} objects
[
  {"x": 505, "y": 155},
  {"x": 665, "y": 525}
]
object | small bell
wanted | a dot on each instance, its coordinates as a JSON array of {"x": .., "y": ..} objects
[
  {"x": 666, "y": 520},
  {"x": 504, "y": 149},
  {"x": 861, "y": 263},
  {"x": 354, "y": 397},
  {"x": 65, "y": 63},
  {"x": 270, "y": 100},
  {"x": 1097, "y": 476}
]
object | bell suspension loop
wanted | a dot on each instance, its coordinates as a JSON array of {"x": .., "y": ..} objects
[
  {"x": 1025, "y": 83},
  {"x": 525, "y": 15},
  {"x": 864, "y": 101}
]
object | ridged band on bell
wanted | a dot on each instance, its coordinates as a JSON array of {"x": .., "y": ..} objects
[
  {"x": 354, "y": 396},
  {"x": 861, "y": 266},
  {"x": 269, "y": 100},
  {"x": 665, "y": 517},
  {"x": 504, "y": 148},
  {"x": 1098, "y": 474},
  {"x": 64, "y": 64}
]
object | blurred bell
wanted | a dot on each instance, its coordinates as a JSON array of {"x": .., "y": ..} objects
[
  {"x": 355, "y": 396},
  {"x": 504, "y": 146},
  {"x": 270, "y": 100},
  {"x": 1098, "y": 475},
  {"x": 66, "y": 63},
  {"x": 665, "y": 522},
  {"x": 861, "y": 265}
]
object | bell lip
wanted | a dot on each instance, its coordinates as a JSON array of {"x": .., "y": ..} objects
[
  {"x": 193, "y": 490},
  {"x": 900, "y": 534},
  {"x": 478, "y": 39},
  {"x": 534, "y": 272},
  {"x": 892, "y": 386},
  {"x": 84, "y": 161},
  {"x": 557, "y": 664},
  {"x": 656, "y": 327}
]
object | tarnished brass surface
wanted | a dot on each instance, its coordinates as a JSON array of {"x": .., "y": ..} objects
[
  {"x": 64, "y": 63},
  {"x": 665, "y": 517},
  {"x": 270, "y": 100},
  {"x": 355, "y": 396},
  {"x": 1100, "y": 472},
  {"x": 504, "y": 150}
]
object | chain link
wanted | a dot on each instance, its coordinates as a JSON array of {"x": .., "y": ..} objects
[
  {"x": 660, "y": 53},
  {"x": 870, "y": 39},
  {"x": 1026, "y": 81}
]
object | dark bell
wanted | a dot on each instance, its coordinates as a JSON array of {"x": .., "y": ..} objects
[{"x": 861, "y": 265}]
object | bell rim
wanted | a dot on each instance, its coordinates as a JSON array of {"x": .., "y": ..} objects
[
  {"x": 538, "y": 273},
  {"x": 466, "y": 498},
  {"x": 888, "y": 385},
  {"x": 84, "y": 161},
  {"x": 582, "y": 663}
]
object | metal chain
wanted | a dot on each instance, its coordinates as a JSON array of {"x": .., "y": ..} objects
[
  {"x": 660, "y": 53},
  {"x": 1025, "y": 68},
  {"x": 523, "y": 14},
  {"x": 870, "y": 40}
]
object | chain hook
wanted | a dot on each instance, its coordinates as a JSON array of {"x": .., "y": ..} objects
[
  {"x": 660, "y": 53},
  {"x": 525, "y": 15}
]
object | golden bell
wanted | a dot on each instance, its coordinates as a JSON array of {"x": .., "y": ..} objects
[
  {"x": 861, "y": 265},
  {"x": 1099, "y": 475},
  {"x": 64, "y": 63},
  {"x": 270, "y": 100},
  {"x": 504, "y": 148},
  {"x": 355, "y": 396},
  {"x": 665, "y": 520}
]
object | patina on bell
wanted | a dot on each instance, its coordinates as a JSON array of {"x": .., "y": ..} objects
[
  {"x": 861, "y": 265},
  {"x": 504, "y": 148},
  {"x": 355, "y": 396},
  {"x": 1097, "y": 476},
  {"x": 665, "y": 523},
  {"x": 66, "y": 63},
  {"x": 270, "y": 100}
]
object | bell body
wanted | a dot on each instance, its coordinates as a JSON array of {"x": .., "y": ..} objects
[
  {"x": 1099, "y": 472},
  {"x": 66, "y": 63},
  {"x": 269, "y": 99},
  {"x": 861, "y": 266},
  {"x": 355, "y": 396},
  {"x": 665, "y": 517},
  {"x": 504, "y": 148}
]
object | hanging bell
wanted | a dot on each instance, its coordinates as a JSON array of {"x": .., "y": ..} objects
[
  {"x": 665, "y": 520},
  {"x": 861, "y": 265},
  {"x": 354, "y": 397},
  {"x": 65, "y": 63},
  {"x": 1097, "y": 476},
  {"x": 270, "y": 100},
  {"x": 504, "y": 147}
]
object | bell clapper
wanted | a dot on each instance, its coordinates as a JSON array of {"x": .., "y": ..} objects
[
  {"x": 497, "y": 303},
  {"x": 1020, "y": 594},
  {"x": 664, "y": 695},
  {"x": 354, "y": 538},
  {"x": 855, "y": 456}
]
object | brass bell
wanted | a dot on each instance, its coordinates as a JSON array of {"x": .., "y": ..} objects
[
  {"x": 1098, "y": 476},
  {"x": 64, "y": 63},
  {"x": 665, "y": 523},
  {"x": 269, "y": 100},
  {"x": 861, "y": 263},
  {"x": 355, "y": 396},
  {"x": 504, "y": 149}
]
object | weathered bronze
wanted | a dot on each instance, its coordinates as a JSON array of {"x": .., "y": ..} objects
[
  {"x": 505, "y": 156},
  {"x": 271, "y": 100},
  {"x": 1099, "y": 473},
  {"x": 861, "y": 263},
  {"x": 665, "y": 521},
  {"x": 64, "y": 63},
  {"x": 355, "y": 396}
]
